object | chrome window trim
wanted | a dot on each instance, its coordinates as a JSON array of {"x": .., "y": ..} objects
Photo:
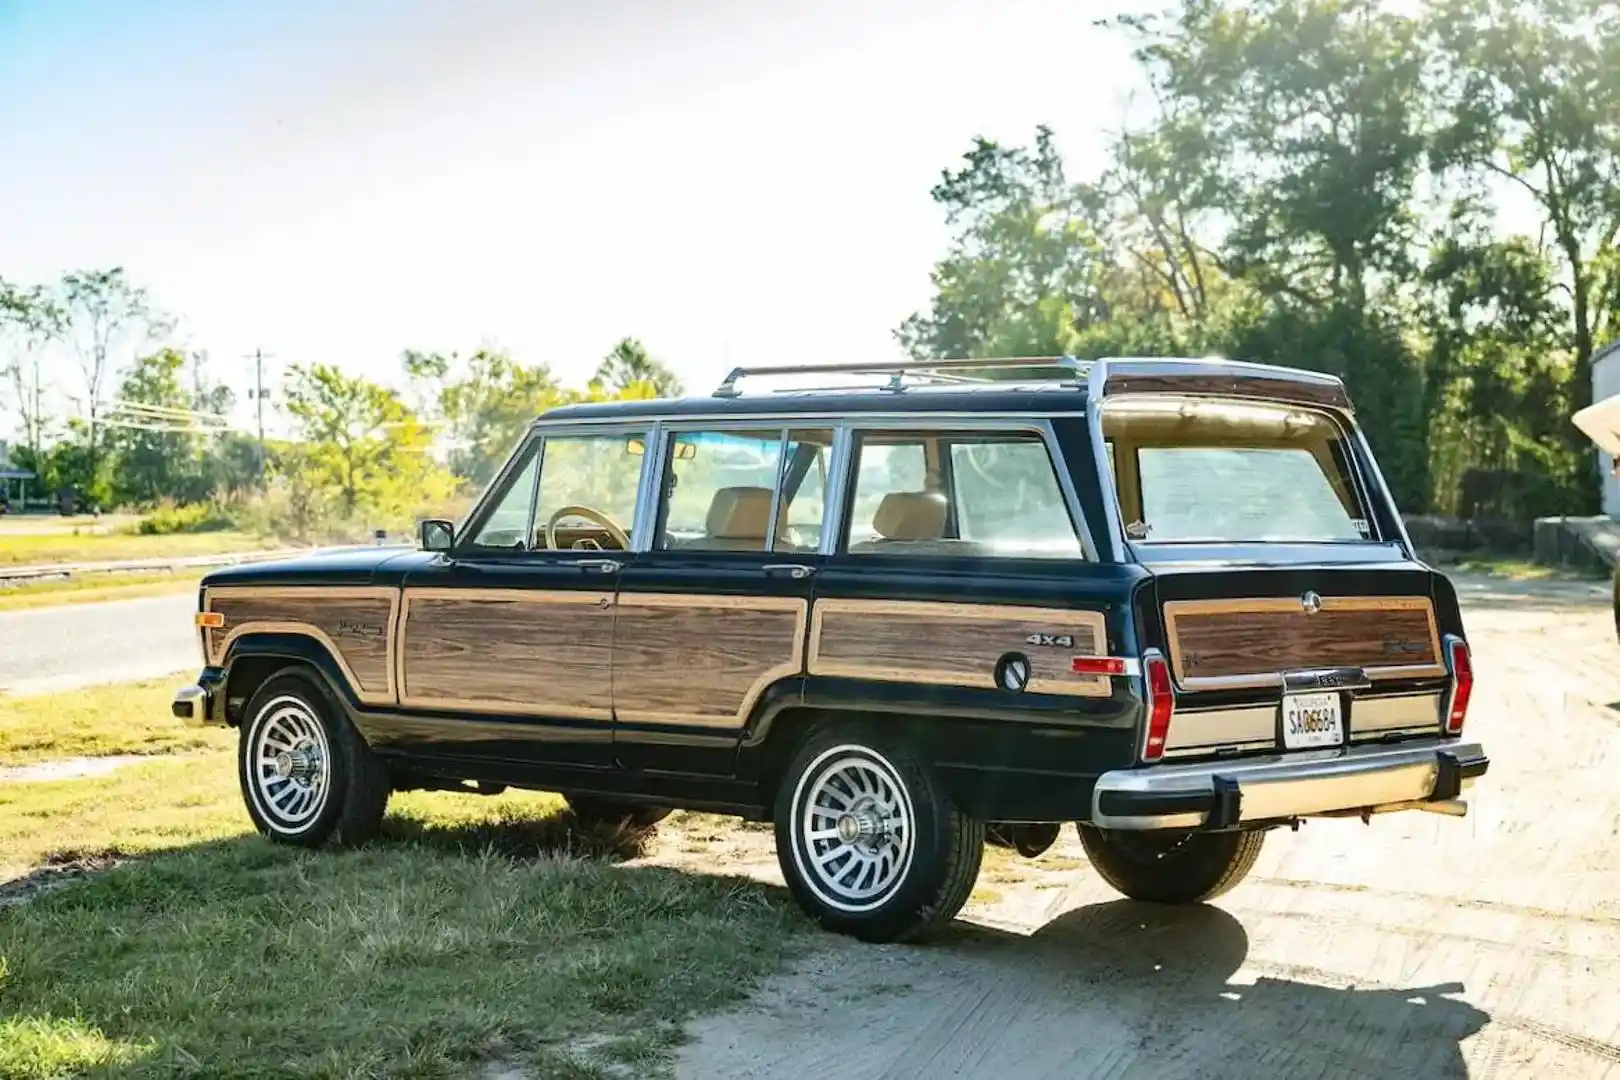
[
  {"x": 834, "y": 507},
  {"x": 1096, "y": 383},
  {"x": 1369, "y": 463},
  {"x": 1041, "y": 428}
]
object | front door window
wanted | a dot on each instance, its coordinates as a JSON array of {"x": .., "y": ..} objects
[{"x": 587, "y": 494}]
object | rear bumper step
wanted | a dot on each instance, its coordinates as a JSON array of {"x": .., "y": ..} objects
[{"x": 1223, "y": 794}]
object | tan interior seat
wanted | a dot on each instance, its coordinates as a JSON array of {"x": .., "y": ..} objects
[
  {"x": 738, "y": 520},
  {"x": 907, "y": 516}
]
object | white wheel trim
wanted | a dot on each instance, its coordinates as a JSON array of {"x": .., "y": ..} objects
[
  {"x": 289, "y": 765},
  {"x": 853, "y": 831}
]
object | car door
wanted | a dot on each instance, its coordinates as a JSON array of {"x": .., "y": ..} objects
[
  {"x": 712, "y": 617},
  {"x": 959, "y": 583},
  {"x": 507, "y": 641}
]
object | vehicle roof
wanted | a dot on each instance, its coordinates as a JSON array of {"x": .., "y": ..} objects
[{"x": 1066, "y": 392}]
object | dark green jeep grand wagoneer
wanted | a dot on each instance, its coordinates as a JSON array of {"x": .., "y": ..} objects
[{"x": 1168, "y": 600}]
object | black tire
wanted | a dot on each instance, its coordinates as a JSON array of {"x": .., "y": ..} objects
[
  {"x": 307, "y": 777},
  {"x": 591, "y": 811},
  {"x": 932, "y": 867},
  {"x": 1171, "y": 866}
]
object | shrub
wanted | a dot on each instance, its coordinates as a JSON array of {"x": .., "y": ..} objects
[{"x": 168, "y": 518}]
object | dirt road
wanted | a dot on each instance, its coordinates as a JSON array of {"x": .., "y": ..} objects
[{"x": 1419, "y": 946}]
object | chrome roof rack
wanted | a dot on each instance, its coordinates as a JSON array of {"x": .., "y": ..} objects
[{"x": 955, "y": 370}]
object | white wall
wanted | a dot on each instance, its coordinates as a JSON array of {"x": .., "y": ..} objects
[{"x": 1605, "y": 384}]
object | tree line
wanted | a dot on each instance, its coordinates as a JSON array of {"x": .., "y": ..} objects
[
  {"x": 1423, "y": 199},
  {"x": 144, "y": 424},
  {"x": 1334, "y": 184}
]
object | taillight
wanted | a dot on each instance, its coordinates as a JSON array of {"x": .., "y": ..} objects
[
  {"x": 1462, "y": 684},
  {"x": 1161, "y": 703},
  {"x": 1099, "y": 665}
]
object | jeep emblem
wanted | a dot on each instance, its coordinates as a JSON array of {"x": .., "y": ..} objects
[{"x": 1310, "y": 603}]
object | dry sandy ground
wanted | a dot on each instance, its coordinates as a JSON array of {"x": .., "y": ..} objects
[{"x": 1418, "y": 946}]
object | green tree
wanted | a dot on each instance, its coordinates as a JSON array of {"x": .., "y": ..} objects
[
  {"x": 360, "y": 442},
  {"x": 1531, "y": 98},
  {"x": 31, "y": 321},
  {"x": 1025, "y": 272},
  {"x": 153, "y": 458},
  {"x": 106, "y": 318},
  {"x": 629, "y": 363},
  {"x": 484, "y": 403}
]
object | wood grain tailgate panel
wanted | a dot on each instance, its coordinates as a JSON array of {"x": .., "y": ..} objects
[
  {"x": 1251, "y": 642},
  {"x": 953, "y": 644}
]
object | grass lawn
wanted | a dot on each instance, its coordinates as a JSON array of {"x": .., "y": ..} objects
[
  {"x": 94, "y": 589},
  {"x": 477, "y": 934},
  {"x": 18, "y": 549},
  {"x": 123, "y": 718}
]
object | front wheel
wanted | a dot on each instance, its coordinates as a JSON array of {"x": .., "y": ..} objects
[
  {"x": 306, "y": 774},
  {"x": 868, "y": 841},
  {"x": 1171, "y": 866}
]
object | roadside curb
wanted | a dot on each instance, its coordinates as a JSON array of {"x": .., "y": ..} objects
[{"x": 43, "y": 571}]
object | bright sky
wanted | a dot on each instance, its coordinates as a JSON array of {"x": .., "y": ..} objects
[{"x": 731, "y": 182}]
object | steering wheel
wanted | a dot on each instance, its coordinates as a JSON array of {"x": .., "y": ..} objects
[{"x": 614, "y": 532}]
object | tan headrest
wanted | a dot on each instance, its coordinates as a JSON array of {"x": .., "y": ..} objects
[
  {"x": 910, "y": 515},
  {"x": 740, "y": 513}
]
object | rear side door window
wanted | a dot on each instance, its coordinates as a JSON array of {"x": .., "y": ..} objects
[{"x": 958, "y": 494}]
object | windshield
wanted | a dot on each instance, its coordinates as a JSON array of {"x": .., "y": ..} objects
[{"x": 1201, "y": 471}]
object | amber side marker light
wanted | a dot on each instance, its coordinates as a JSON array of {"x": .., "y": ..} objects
[
  {"x": 1462, "y": 684},
  {"x": 210, "y": 620},
  {"x": 1161, "y": 704}
]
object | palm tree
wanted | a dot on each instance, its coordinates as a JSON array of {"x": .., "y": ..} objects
[{"x": 629, "y": 364}]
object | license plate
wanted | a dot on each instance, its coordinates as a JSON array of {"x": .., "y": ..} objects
[{"x": 1310, "y": 721}]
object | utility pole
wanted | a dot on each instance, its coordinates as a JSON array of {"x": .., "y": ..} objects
[{"x": 258, "y": 393}]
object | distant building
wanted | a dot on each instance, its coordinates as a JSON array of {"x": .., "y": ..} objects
[
  {"x": 13, "y": 481},
  {"x": 1606, "y": 384}
]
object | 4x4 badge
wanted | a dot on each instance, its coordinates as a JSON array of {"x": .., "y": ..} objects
[
  {"x": 1051, "y": 641},
  {"x": 1311, "y": 603}
]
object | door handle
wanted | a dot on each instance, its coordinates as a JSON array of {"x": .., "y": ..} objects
[
  {"x": 796, "y": 571},
  {"x": 599, "y": 566}
]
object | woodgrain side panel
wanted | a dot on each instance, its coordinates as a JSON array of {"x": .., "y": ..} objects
[
  {"x": 514, "y": 651},
  {"x": 355, "y": 624},
  {"x": 702, "y": 660},
  {"x": 1306, "y": 393},
  {"x": 1219, "y": 643},
  {"x": 953, "y": 644}
]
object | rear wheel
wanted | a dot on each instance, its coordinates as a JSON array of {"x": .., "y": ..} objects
[
  {"x": 306, "y": 774},
  {"x": 591, "y": 812},
  {"x": 869, "y": 842},
  {"x": 1171, "y": 866}
]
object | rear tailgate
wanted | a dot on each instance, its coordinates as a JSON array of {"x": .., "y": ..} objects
[{"x": 1357, "y": 650}]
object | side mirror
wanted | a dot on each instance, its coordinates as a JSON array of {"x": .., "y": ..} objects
[{"x": 437, "y": 534}]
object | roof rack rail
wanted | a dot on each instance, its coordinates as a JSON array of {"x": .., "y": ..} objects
[{"x": 931, "y": 370}]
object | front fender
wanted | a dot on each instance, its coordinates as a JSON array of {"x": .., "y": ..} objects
[{"x": 244, "y": 661}]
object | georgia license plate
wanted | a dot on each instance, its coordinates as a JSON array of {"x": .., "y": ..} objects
[{"x": 1311, "y": 721}]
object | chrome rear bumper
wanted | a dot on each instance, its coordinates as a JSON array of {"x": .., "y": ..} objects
[{"x": 1223, "y": 794}]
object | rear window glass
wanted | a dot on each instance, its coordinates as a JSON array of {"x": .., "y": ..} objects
[{"x": 1227, "y": 472}]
